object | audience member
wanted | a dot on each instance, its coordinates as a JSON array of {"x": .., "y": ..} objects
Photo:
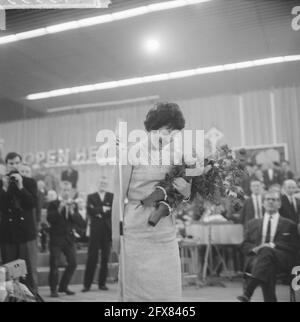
[
  {"x": 18, "y": 199},
  {"x": 272, "y": 176},
  {"x": 99, "y": 207},
  {"x": 287, "y": 173},
  {"x": 25, "y": 170},
  {"x": 70, "y": 175},
  {"x": 290, "y": 205},
  {"x": 51, "y": 180},
  {"x": 65, "y": 222},
  {"x": 297, "y": 194},
  {"x": 253, "y": 207},
  {"x": 41, "y": 172},
  {"x": 270, "y": 247}
]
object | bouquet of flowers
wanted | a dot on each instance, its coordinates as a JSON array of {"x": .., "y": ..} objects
[{"x": 220, "y": 178}]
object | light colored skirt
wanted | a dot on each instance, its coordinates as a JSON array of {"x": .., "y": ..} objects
[{"x": 152, "y": 261}]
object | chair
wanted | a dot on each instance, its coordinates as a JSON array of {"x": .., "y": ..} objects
[{"x": 288, "y": 277}]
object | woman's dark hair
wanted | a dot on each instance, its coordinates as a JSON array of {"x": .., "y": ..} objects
[{"x": 164, "y": 114}]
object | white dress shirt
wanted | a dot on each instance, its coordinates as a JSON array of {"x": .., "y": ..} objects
[
  {"x": 102, "y": 195},
  {"x": 257, "y": 201},
  {"x": 274, "y": 225},
  {"x": 271, "y": 174}
]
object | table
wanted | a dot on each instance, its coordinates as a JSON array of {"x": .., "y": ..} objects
[
  {"x": 212, "y": 235},
  {"x": 220, "y": 233}
]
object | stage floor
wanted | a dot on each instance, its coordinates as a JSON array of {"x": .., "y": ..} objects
[{"x": 190, "y": 294}]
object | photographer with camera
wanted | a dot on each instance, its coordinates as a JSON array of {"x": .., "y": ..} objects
[
  {"x": 18, "y": 199},
  {"x": 65, "y": 223}
]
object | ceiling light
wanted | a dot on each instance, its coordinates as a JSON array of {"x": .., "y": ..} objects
[
  {"x": 31, "y": 34},
  {"x": 130, "y": 13},
  {"x": 164, "y": 77},
  {"x": 86, "y": 22},
  {"x": 63, "y": 27},
  {"x": 152, "y": 45}
]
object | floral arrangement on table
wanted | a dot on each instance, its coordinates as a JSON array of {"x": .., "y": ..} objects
[{"x": 221, "y": 177}]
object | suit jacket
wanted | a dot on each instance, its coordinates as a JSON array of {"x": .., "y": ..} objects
[
  {"x": 100, "y": 219},
  {"x": 277, "y": 178},
  {"x": 286, "y": 238},
  {"x": 61, "y": 229},
  {"x": 17, "y": 207},
  {"x": 288, "y": 211},
  {"x": 71, "y": 177},
  {"x": 245, "y": 183},
  {"x": 248, "y": 211}
]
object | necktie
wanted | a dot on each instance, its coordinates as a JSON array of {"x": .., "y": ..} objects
[
  {"x": 269, "y": 229},
  {"x": 67, "y": 212}
]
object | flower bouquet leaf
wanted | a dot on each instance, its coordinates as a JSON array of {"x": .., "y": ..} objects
[{"x": 221, "y": 177}]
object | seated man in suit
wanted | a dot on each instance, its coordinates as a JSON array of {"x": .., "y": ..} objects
[
  {"x": 290, "y": 205},
  {"x": 253, "y": 207},
  {"x": 99, "y": 207},
  {"x": 270, "y": 247},
  {"x": 65, "y": 222}
]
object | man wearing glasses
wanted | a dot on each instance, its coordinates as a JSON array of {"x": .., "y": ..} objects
[{"x": 270, "y": 247}]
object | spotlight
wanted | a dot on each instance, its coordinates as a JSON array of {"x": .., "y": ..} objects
[{"x": 152, "y": 45}]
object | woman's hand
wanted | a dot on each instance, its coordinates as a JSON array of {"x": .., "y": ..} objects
[
  {"x": 183, "y": 187},
  {"x": 207, "y": 169}
]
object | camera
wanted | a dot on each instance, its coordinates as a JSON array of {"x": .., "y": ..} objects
[{"x": 12, "y": 180}]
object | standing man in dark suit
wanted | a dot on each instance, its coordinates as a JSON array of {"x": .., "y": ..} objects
[
  {"x": 70, "y": 175},
  {"x": 290, "y": 205},
  {"x": 18, "y": 199},
  {"x": 253, "y": 206},
  {"x": 272, "y": 176},
  {"x": 65, "y": 222},
  {"x": 270, "y": 247},
  {"x": 99, "y": 207}
]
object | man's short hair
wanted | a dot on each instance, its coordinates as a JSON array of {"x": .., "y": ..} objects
[
  {"x": 269, "y": 192},
  {"x": 286, "y": 182},
  {"x": 12, "y": 155}
]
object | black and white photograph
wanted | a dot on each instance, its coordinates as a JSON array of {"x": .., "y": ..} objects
[{"x": 149, "y": 153}]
